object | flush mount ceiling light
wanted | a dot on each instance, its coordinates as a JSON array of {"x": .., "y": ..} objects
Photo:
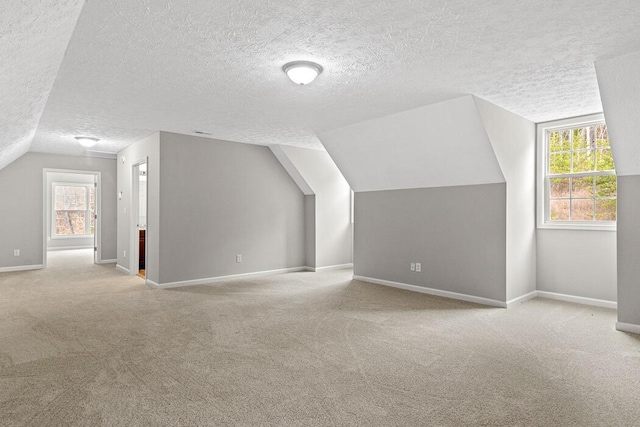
[
  {"x": 86, "y": 141},
  {"x": 302, "y": 72}
]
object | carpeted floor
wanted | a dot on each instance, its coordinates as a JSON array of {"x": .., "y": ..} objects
[{"x": 82, "y": 344}]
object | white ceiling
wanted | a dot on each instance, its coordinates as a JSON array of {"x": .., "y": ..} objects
[
  {"x": 137, "y": 66},
  {"x": 34, "y": 35}
]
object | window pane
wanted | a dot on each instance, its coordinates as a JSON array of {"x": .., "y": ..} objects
[
  {"x": 580, "y": 138},
  {"x": 69, "y": 222},
  {"x": 604, "y": 160},
  {"x": 559, "y": 210},
  {"x": 584, "y": 150},
  {"x": 606, "y": 210},
  {"x": 582, "y": 210},
  {"x": 559, "y": 141},
  {"x": 560, "y": 163},
  {"x": 583, "y": 161},
  {"x": 559, "y": 188},
  {"x": 602, "y": 136},
  {"x": 582, "y": 188},
  {"x": 606, "y": 186},
  {"x": 70, "y": 197}
]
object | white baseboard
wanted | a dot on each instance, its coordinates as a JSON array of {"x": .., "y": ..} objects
[
  {"x": 523, "y": 298},
  {"x": 107, "y": 261},
  {"x": 122, "y": 269},
  {"x": 578, "y": 300},
  {"x": 628, "y": 327},
  {"x": 435, "y": 292},
  {"x": 21, "y": 268},
  {"x": 208, "y": 280},
  {"x": 153, "y": 284},
  {"x": 68, "y": 248},
  {"x": 329, "y": 267}
]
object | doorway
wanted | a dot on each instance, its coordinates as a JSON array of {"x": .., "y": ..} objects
[
  {"x": 139, "y": 218},
  {"x": 71, "y": 214}
]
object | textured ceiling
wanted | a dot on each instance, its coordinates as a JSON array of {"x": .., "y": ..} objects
[
  {"x": 33, "y": 37},
  {"x": 137, "y": 66}
]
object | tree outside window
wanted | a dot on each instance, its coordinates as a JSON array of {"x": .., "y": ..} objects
[
  {"x": 74, "y": 210},
  {"x": 580, "y": 178}
]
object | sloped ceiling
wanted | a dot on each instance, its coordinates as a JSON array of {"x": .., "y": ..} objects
[
  {"x": 282, "y": 153},
  {"x": 134, "y": 67},
  {"x": 619, "y": 80},
  {"x": 443, "y": 144},
  {"x": 311, "y": 170},
  {"x": 34, "y": 35}
]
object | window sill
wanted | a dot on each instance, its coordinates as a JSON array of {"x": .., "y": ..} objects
[
  {"x": 582, "y": 227},
  {"x": 72, "y": 236}
]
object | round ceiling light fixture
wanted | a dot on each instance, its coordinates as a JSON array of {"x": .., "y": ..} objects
[
  {"x": 302, "y": 72},
  {"x": 86, "y": 141}
]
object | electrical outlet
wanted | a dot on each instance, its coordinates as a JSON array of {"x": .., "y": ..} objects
[
  {"x": 418, "y": 267},
  {"x": 238, "y": 258},
  {"x": 412, "y": 267},
  {"x": 125, "y": 253},
  {"x": 16, "y": 252}
]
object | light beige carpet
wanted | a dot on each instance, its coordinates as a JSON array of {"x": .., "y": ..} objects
[{"x": 86, "y": 345}]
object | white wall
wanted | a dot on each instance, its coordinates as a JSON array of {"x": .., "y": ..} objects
[
  {"x": 577, "y": 262},
  {"x": 332, "y": 204},
  {"x": 21, "y": 211},
  {"x": 148, "y": 148},
  {"x": 514, "y": 143},
  {"x": 64, "y": 243},
  {"x": 438, "y": 145}
]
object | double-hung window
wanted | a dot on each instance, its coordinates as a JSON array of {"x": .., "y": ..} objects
[
  {"x": 73, "y": 211},
  {"x": 577, "y": 185}
]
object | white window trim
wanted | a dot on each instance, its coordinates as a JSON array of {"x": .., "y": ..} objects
[
  {"x": 541, "y": 178},
  {"x": 53, "y": 209}
]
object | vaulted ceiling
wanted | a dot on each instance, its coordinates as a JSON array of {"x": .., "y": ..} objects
[{"x": 133, "y": 67}]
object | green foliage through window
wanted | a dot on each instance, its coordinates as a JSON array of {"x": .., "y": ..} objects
[{"x": 581, "y": 175}]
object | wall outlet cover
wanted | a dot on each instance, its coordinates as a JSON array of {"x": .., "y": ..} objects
[
  {"x": 412, "y": 267},
  {"x": 418, "y": 267},
  {"x": 16, "y": 252}
]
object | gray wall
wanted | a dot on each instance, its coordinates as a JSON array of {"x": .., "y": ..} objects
[
  {"x": 310, "y": 231},
  {"x": 219, "y": 199},
  {"x": 629, "y": 249},
  {"x": 148, "y": 148},
  {"x": 577, "y": 262},
  {"x": 457, "y": 233},
  {"x": 21, "y": 210}
]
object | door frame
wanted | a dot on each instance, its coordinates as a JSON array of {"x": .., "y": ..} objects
[
  {"x": 134, "y": 240},
  {"x": 46, "y": 208}
]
